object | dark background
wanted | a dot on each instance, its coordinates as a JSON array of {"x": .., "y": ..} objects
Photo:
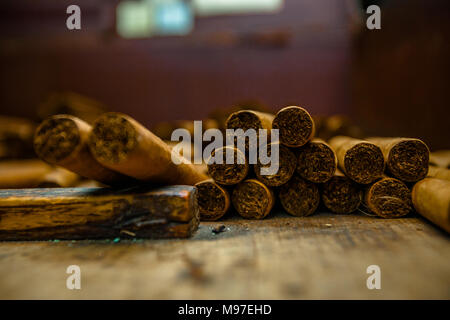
[{"x": 314, "y": 53}]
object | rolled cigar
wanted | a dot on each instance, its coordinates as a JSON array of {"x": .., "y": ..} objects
[
  {"x": 213, "y": 200},
  {"x": 228, "y": 174},
  {"x": 360, "y": 160},
  {"x": 439, "y": 173},
  {"x": 62, "y": 140},
  {"x": 316, "y": 161},
  {"x": 22, "y": 173},
  {"x": 286, "y": 167},
  {"x": 93, "y": 213},
  {"x": 431, "y": 199},
  {"x": 252, "y": 199},
  {"x": 340, "y": 194},
  {"x": 122, "y": 144},
  {"x": 299, "y": 197},
  {"x": 249, "y": 119},
  {"x": 388, "y": 198},
  {"x": 406, "y": 159},
  {"x": 59, "y": 178},
  {"x": 295, "y": 124},
  {"x": 440, "y": 158}
]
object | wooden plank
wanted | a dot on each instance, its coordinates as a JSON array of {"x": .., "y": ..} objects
[{"x": 323, "y": 256}]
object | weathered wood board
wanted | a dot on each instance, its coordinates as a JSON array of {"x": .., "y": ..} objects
[{"x": 323, "y": 256}]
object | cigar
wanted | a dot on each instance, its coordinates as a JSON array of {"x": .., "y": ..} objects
[
  {"x": 62, "y": 140},
  {"x": 22, "y": 173},
  {"x": 228, "y": 174},
  {"x": 328, "y": 127},
  {"x": 96, "y": 213},
  {"x": 249, "y": 119},
  {"x": 213, "y": 200},
  {"x": 252, "y": 199},
  {"x": 406, "y": 159},
  {"x": 295, "y": 124},
  {"x": 439, "y": 173},
  {"x": 16, "y": 138},
  {"x": 122, "y": 144},
  {"x": 286, "y": 167},
  {"x": 59, "y": 178},
  {"x": 431, "y": 199},
  {"x": 440, "y": 158},
  {"x": 316, "y": 161},
  {"x": 388, "y": 198},
  {"x": 299, "y": 197},
  {"x": 340, "y": 194},
  {"x": 360, "y": 160}
]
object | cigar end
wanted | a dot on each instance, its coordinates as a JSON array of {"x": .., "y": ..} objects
[
  {"x": 56, "y": 138},
  {"x": 299, "y": 197},
  {"x": 113, "y": 137},
  {"x": 252, "y": 199},
  {"x": 295, "y": 124},
  {"x": 287, "y": 163},
  {"x": 364, "y": 163},
  {"x": 213, "y": 201},
  {"x": 244, "y": 119},
  {"x": 316, "y": 162},
  {"x": 408, "y": 160},
  {"x": 389, "y": 198},
  {"x": 341, "y": 195},
  {"x": 228, "y": 173}
]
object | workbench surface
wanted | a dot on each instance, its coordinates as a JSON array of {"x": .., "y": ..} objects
[{"x": 324, "y": 256}]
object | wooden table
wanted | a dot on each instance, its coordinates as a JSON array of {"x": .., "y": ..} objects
[{"x": 324, "y": 256}]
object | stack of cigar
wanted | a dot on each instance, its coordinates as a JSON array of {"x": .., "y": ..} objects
[{"x": 373, "y": 175}]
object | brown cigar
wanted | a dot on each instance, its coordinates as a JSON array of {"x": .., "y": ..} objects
[
  {"x": 286, "y": 167},
  {"x": 59, "y": 178},
  {"x": 62, "y": 140},
  {"x": 122, "y": 144},
  {"x": 299, "y": 197},
  {"x": 22, "y": 173},
  {"x": 316, "y": 161},
  {"x": 341, "y": 194},
  {"x": 431, "y": 198},
  {"x": 252, "y": 199},
  {"x": 440, "y": 158},
  {"x": 388, "y": 198},
  {"x": 85, "y": 213},
  {"x": 213, "y": 200},
  {"x": 360, "y": 160},
  {"x": 296, "y": 126},
  {"x": 228, "y": 174},
  {"x": 439, "y": 173},
  {"x": 406, "y": 159}
]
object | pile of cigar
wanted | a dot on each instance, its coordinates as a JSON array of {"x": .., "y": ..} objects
[{"x": 383, "y": 177}]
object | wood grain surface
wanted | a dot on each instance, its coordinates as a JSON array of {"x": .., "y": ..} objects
[{"x": 318, "y": 257}]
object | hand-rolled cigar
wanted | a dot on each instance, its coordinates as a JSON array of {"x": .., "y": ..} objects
[
  {"x": 122, "y": 144},
  {"x": 406, "y": 159},
  {"x": 286, "y": 167},
  {"x": 388, "y": 198},
  {"x": 440, "y": 158},
  {"x": 431, "y": 199},
  {"x": 93, "y": 213},
  {"x": 252, "y": 199},
  {"x": 59, "y": 178},
  {"x": 299, "y": 197},
  {"x": 340, "y": 194},
  {"x": 360, "y": 160},
  {"x": 316, "y": 161},
  {"x": 16, "y": 174},
  {"x": 62, "y": 140},
  {"x": 295, "y": 124},
  {"x": 439, "y": 173},
  {"x": 213, "y": 200},
  {"x": 228, "y": 173}
]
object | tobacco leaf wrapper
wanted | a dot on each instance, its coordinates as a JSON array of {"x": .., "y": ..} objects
[
  {"x": 299, "y": 197},
  {"x": 122, "y": 144},
  {"x": 360, "y": 160},
  {"x": 213, "y": 200},
  {"x": 406, "y": 159},
  {"x": 388, "y": 198},
  {"x": 431, "y": 199},
  {"x": 252, "y": 199},
  {"x": 295, "y": 124},
  {"x": 317, "y": 161}
]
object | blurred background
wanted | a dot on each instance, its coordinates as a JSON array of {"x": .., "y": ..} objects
[{"x": 166, "y": 60}]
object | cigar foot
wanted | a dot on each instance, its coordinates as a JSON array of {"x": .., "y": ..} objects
[
  {"x": 295, "y": 124},
  {"x": 299, "y": 197},
  {"x": 213, "y": 200},
  {"x": 252, "y": 199},
  {"x": 341, "y": 195},
  {"x": 408, "y": 160},
  {"x": 364, "y": 163},
  {"x": 316, "y": 162}
]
